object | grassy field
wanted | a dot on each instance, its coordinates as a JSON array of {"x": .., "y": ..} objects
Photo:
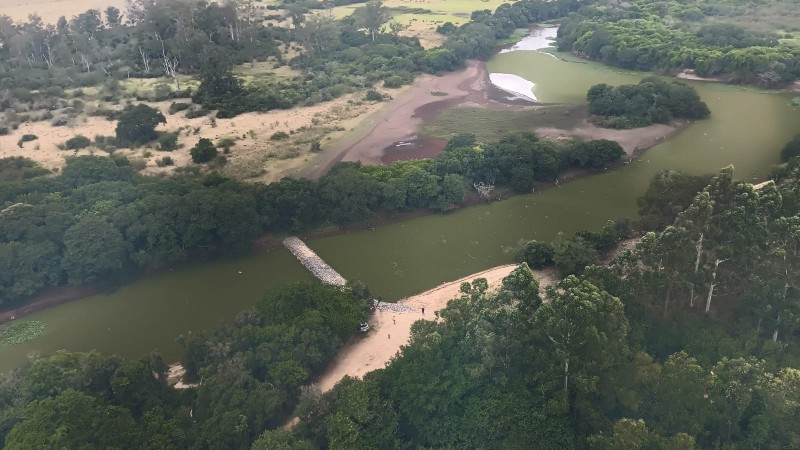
[
  {"x": 51, "y": 10},
  {"x": 489, "y": 124},
  {"x": 424, "y": 25}
]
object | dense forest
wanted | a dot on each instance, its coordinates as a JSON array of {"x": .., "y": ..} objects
[
  {"x": 651, "y": 101},
  {"x": 254, "y": 371},
  {"x": 98, "y": 222},
  {"x": 711, "y": 37},
  {"x": 687, "y": 340}
]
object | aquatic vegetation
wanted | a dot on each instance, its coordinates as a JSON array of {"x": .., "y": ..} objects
[{"x": 19, "y": 332}]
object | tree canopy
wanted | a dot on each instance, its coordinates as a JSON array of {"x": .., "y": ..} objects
[{"x": 653, "y": 100}]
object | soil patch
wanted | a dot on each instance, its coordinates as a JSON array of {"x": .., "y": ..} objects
[
  {"x": 46, "y": 299},
  {"x": 403, "y": 117},
  {"x": 633, "y": 141},
  {"x": 416, "y": 149},
  {"x": 688, "y": 74}
]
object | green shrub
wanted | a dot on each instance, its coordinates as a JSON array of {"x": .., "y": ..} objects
[
  {"x": 373, "y": 96},
  {"x": 226, "y": 143},
  {"x": 194, "y": 113},
  {"x": 137, "y": 124},
  {"x": 316, "y": 147},
  {"x": 26, "y": 138},
  {"x": 791, "y": 149},
  {"x": 138, "y": 164},
  {"x": 78, "y": 142},
  {"x": 393, "y": 82},
  {"x": 165, "y": 161},
  {"x": 168, "y": 141},
  {"x": 279, "y": 136},
  {"x": 204, "y": 151},
  {"x": 176, "y": 107}
]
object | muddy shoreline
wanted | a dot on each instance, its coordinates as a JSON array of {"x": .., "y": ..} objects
[{"x": 401, "y": 120}]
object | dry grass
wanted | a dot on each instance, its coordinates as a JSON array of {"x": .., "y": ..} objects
[
  {"x": 424, "y": 26},
  {"x": 254, "y": 156},
  {"x": 51, "y": 10}
]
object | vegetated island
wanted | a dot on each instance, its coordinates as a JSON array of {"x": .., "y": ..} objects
[{"x": 653, "y": 100}]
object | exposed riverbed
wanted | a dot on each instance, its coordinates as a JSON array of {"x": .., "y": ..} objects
[{"x": 747, "y": 128}]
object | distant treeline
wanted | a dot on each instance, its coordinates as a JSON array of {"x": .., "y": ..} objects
[
  {"x": 98, "y": 221},
  {"x": 672, "y": 36},
  {"x": 651, "y": 101}
]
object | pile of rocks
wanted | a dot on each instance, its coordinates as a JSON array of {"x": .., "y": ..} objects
[
  {"x": 393, "y": 307},
  {"x": 313, "y": 263}
]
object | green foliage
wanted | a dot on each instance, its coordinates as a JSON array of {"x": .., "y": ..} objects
[
  {"x": 78, "y": 142},
  {"x": 175, "y": 107},
  {"x": 137, "y": 124},
  {"x": 221, "y": 90},
  {"x": 536, "y": 254},
  {"x": 18, "y": 168},
  {"x": 26, "y": 138},
  {"x": 226, "y": 143},
  {"x": 791, "y": 149},
  {"x": 595, "y": 154},
  {"x": 18, "y": 332},
  {"x": 204, "y": 151},
  {"x": 165, "y": 161},
  {"x": 373, "y": 96},
  {"x": 93, "y": 250},
  {"x": 646, "y": 36},
  {"x": 572, "y": 255},
  {"x": 279, "y": 136},
  {"x": 669, "y": 193},
  {"x": 72, "y": 420},
  {"x": 168, "y": 141},
  {"x": 653, "y": 100}
]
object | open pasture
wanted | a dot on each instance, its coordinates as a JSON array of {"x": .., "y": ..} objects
[{"x": 51, "y": 10}]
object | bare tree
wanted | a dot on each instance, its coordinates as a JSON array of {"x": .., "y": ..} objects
[
  {"x": 86, "y": 63},
  {"x": 145, "y": 59},
  {"x": 171, "y": 69},
  {"x": 48, "y": 57},
  {"x": 713, "y": 283},
  {"x": 484, "y": 189},
  {"x": 107, "y": 67}
]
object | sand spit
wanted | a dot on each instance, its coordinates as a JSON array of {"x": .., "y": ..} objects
[{"x": 391, "y": 325}]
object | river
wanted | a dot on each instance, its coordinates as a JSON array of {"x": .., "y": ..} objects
[{"x": 747, "y": 128}]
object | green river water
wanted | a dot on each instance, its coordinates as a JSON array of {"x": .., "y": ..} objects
[{"x": 747, "y": 128}]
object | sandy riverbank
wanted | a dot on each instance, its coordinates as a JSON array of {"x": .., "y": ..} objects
[
  {"x": 391, "y": 330},
  {"x": 632, "y": 140},
  {"x": 688, "y": 74}
]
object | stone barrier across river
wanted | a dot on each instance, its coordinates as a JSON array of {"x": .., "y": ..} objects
[{"x": 313, "y": 263}]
